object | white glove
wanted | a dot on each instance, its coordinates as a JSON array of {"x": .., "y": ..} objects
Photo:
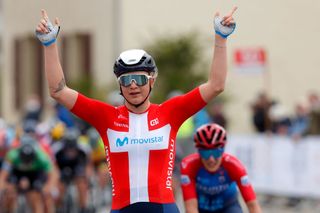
[
  {"x": 49, "y": 38},
  {"x": 223, "y": 30}
]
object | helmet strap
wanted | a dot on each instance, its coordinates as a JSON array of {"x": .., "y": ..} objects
[{"x": 136, "y": 105}]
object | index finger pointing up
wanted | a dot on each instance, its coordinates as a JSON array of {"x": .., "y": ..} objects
[
  {"x": 44, "y": 14},
  {"x": 233, "y": 10}
]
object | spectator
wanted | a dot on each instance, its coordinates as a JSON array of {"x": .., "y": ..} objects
[
  {"x": 260, "y": 109},
  {"x": 280, "y": 120},
  {"x": 33, "y": 109},
  {"x": 300, "y": 122},
  {"x": 314, "y": 102},
  {"x": 217, "y": 114}
]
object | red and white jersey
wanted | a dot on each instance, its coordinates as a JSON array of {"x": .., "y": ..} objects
[{"x": 140, "y": 148}]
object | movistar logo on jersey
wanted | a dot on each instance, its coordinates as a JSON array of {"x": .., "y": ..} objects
[
  {"x": 120, "y": 142},
  {"x": 126, "y": 141}
]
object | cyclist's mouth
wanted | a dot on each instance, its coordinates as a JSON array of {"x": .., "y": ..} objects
[
  {"x": 134, "y": 93},
  {"x": 212, "y": 164}
]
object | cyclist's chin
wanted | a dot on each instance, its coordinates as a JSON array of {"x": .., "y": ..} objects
[
  {"x": 212, "y": 169},
  {"x": 212, "y": 166},
  {"x": 135, "y": 99}
]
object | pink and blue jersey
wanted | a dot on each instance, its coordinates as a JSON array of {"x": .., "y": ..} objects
[
  {"x": 140, "y": 148},
  {"x": 215, "y": 190}
]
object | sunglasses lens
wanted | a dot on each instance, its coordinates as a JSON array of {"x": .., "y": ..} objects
[
  {"x": 205, "y": 154},
  {"x": 216, "y": 153},
  {"x": 140, "y": 80},
  {"x": 124, "y": 81}
]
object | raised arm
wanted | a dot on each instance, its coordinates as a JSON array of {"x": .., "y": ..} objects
[
  {"x": 254, "y": 207},
  {"x": 191, "y": 205},
  {"x": 215, "y": 85},
  {"x": 47, "y": 34}
]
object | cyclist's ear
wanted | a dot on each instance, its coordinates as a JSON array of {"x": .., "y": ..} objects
[{"x": 152, "y": 82}]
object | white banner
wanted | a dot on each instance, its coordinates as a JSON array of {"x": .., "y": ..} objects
[{"x": 278, "y": 165}]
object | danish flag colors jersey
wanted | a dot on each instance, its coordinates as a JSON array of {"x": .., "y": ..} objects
[
  {"x": 140, "y": 148},
  {"x": 214, "y": 190}
]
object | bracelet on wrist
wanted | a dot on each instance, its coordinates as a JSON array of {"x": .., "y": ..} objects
[{"x": 220, "y": 46}]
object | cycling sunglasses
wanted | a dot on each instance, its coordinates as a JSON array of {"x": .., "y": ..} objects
[
  {"x": 139, "y": 79},
  {"x": 207, "y": 153}
]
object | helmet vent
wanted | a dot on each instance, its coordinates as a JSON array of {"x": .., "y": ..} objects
[
  {"x": 150, "y": 61},
  {"x": 219, "y": 136},
  {"x": 198, "y": 138},
  {"x": 131, "y": 65},
  {"x": 142, "y": 59},
  {"x": 206, "y": 136}
]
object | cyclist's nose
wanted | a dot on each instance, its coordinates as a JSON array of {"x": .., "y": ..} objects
[{"x": 212, "y": 159}]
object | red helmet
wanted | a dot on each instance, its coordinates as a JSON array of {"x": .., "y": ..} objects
[{"x": 210, "y": 136}]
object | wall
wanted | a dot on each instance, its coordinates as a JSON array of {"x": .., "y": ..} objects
[{"x": 286, "y": 29}]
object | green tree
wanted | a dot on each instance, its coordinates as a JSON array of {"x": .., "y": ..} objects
[{"x": 180, "y": 63}]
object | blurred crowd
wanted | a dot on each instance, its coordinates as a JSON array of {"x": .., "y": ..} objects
[
  {"x": 271, "y": 116},
  {"x": 47, "y": 160}
]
